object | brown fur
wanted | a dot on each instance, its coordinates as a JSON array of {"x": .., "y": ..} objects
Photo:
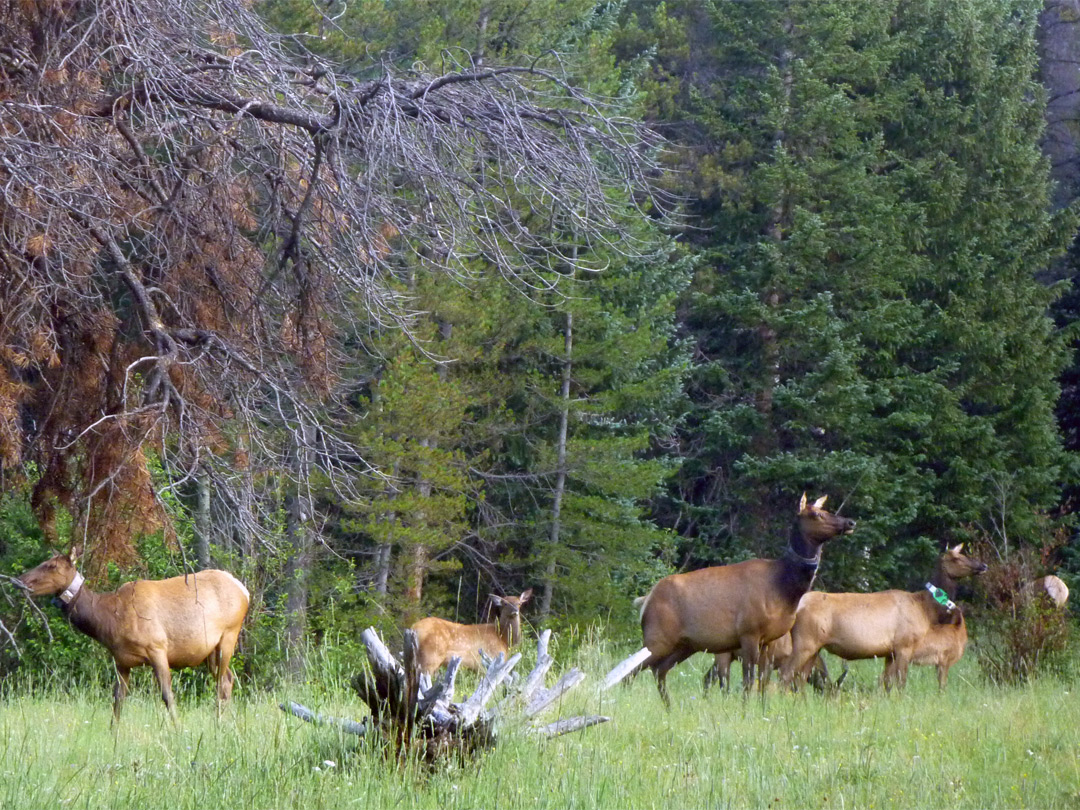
[
  {"x": 169, "y": 623},
  {"x": 742, "y": 607},
  {"x": 440, "y": 640},
  {"x": 900, "y": 626}
]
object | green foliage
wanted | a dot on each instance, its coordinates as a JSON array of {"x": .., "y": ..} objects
[
  {"x": 1020, "y": 633},
  {"x": 868, "y": 190}
]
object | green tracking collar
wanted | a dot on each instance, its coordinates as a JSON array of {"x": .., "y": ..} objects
[{"x": 940, "y": 597}]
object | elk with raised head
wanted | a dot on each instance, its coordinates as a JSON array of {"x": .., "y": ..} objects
[
  {"x": 923, "y": 627},
  {"x": 742, "y": 606},
  {"x": 439, "y": 640},
  {"x": 168, "y": 623}
]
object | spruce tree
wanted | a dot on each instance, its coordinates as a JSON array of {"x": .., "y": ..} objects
[{"x": 872, "y": 208}]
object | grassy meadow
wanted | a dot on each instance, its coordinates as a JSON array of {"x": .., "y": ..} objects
[{"x": 975, "y": 746}]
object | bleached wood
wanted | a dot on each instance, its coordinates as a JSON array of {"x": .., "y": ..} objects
[
  {"x": 309, "y": 716},
  {"x": 543, "y": 699},
  {"x": 624, "y": 668},
  {"x": 568, "y": 725},
  {"x": 496, "y": 674}
]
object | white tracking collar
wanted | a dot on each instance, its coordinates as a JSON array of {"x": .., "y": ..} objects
[{"x": 72, "y": 590}]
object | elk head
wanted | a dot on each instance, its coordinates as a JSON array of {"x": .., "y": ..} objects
[
  {"x": 52, "y": 576},
  {"x": 817, "y": 525}
]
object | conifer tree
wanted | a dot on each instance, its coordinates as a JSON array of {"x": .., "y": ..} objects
[{"x": 872, "y": 206}]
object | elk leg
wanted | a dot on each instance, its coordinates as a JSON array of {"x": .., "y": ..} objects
[
  {"x": 120, "y": 690},
  {"x": 750, "y": 652},
  {"x": 942, "y": 676},
  {"x": 765, "y": 669},
  {"x": 225, "y": 677},
  {"x": 889, "y": 673},
  {"x": 719, "y": 672},
  {"x": 902, "y": 663},
  {"x": 797, "y": 667},
  {"x": 662, "y": 669},
  {"x": 163, "y": 675}
]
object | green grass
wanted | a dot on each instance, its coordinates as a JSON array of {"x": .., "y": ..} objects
[{"x": 975, "y": 746}]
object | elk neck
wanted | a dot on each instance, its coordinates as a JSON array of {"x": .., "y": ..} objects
[
  {"x": 508, "y": 629},
  {"x": 942, "y": 580},
  {"x": 799, "y": 563},
  {"x": 88, "y": 613}
]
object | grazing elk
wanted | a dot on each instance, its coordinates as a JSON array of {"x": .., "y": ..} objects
[
  {"x": 900, "y": 626},
  {"x": 742, "y": 606},
  {"x": 168, "y": 623},
  {"x": 438, "y": 640}
]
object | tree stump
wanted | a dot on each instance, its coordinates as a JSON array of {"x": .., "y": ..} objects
[{"x": 416, "y": 716}]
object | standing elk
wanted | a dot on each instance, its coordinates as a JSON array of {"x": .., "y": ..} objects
[
  {"x": 439, "y": 640},
  {"x": 900, "y": 626},
  {"x": 742, "y": 606},
  {"x": 168, "y": 623}
]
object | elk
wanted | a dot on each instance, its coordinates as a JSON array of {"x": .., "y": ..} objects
[
  {"x": 900, "y": 626},
  {"x": 169, "y": 623},
  {"x": 1053, "y": 588},
  {"x": 440, "y": 640},
  {"x": 742, "y": 606}
]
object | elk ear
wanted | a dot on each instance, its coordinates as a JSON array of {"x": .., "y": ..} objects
[
  {"x": 73, "y": 555},
  {"x": 495, "y": 600},
  {"x": 525, "y": 597},
  {"x": 820, "y": 502},
  {"x": 956, "y": 549},
  {"x": 802, "y": 503}
]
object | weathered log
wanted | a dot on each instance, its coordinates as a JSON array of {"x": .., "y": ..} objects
[
  {"x": 414, "y": 714},
  {"x": 624, "y": 668},
  {"x": 546, "y": 697},
  {"x": 568, "y": 724},
  {"x": 307, "y": 715}
]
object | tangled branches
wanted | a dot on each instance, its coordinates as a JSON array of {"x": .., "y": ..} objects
[{"x": 197, "y": 216}]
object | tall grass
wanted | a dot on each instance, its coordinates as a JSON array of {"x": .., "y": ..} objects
[{"x": 975, "y": 746}]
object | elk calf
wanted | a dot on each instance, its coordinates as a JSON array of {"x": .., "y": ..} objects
[
  {"x": 169, "y": 623},
  {"x": 742, "y": 607},
  {"x": 439, "y": 640}
]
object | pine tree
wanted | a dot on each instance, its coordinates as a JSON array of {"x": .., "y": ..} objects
[{"x": 871, "y": 203}]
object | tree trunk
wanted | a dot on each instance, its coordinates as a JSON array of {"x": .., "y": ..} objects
[
  {"x": 202, "y": 518},
  {"x": 560, "y": 475},
  {"x": 421, "y": 556},
  {"x": 299, "y": 538},
  {"x": 764, "y": 443}
]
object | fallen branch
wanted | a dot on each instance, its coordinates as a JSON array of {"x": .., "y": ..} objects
[{"x": 414, "y": 715}]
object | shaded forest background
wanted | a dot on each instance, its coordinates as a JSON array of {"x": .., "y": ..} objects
[{"x": 865, "y": 290}]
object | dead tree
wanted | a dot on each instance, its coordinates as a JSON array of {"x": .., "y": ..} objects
[
  {"x": 200, "y": 218},
  {"x": 417, "y": 716}
]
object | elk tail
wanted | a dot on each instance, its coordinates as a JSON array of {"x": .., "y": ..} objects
[{"x": 643, "y": 602}]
